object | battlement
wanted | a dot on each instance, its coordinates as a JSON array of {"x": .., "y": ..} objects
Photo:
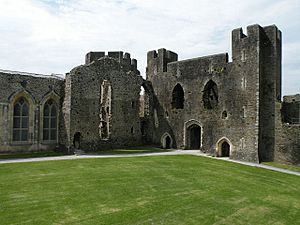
[
  {"x": 254, "y": 31},
  {"x": 161, "y": 58},
  {"x": 162, "y": 53},
  {"x": 123, "y": 58},
  {"x": 291, "y": 98}
]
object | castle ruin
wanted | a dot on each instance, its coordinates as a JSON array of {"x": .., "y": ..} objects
[{"x": 224, "y": 108}]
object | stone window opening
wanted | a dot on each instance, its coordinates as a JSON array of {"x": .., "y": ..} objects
[
  {"x": 178, "y": 97},
  {"x": 244, "y": 112},
  {"x": 224, "y": 114},
  {"x": 244, "y": 83},
  {"x": 50, "y": 121},
  {"x": 21, "y": 120},
  {"x": 156, "y": 121},
  {"x": 105, "y": 110},
  {"x": 210, "y": 95},
  {"x": 144, "y": 103},
  {"x": 166, "y": 114},
  {"x": 242, "y": 143},
  {"x": 131, "y": 130},
  {"x": 243, "y": 55}
]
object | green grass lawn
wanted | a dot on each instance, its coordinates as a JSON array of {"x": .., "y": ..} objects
[{"x": 146, "y": 190}]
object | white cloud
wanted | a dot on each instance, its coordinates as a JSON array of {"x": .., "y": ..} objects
[{"x": 53, "y": 35}]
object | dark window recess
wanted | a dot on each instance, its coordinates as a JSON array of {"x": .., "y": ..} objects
[
  {"x": 224, "y": 114},
  {"x": 210, "y": 95},
  {"x": 177, "y": 97}
]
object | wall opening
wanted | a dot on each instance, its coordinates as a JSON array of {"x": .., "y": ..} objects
[
  {"x": 210, "y": 95},
  {"x": 194, "y": 132},
  {"x": 166, "y": 141},
  {"x": 144, "y": 103},
  {"x": 77, "y": 140},
  {"x": 105, "y": 110},
  {"x": 177, "y": 97},
  {"x": 223, "y": 148},
  {"x": 224, "y": 114}
]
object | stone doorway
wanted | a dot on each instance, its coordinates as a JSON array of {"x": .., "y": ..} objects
[
  {"x": 166, "y": 141},
  {"x": 223, "y": 148},
  {"x": 194, "y": 133}
]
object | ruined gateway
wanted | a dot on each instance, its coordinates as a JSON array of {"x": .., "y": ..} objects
[{"x": 223, "y": 108}]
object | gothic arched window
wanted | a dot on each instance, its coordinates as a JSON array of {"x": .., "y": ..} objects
[
  {"x": 210, "y": 95},
  {"x": 21, "y": 120},
  {"x": 177, "y": 97},
  {"x": 50, "y": 121}
]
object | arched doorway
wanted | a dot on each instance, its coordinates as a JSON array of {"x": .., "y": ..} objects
[
  {"x": 194, "y": 136},
  {"x": 223, "y": 148},
  {"x": 166, "y": 141}
]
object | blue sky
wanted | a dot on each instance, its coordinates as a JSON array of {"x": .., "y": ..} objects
[{"x": 53, "y": 36}]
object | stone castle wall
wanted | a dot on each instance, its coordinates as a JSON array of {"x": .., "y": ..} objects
[
  {"x": 36, "y": 90},
  {"x": 103, "y": 102},
  {"x": 225, "y": 108}
]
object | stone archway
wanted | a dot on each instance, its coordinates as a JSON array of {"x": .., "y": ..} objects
[
  {"x": 223, "y": 148},
  {"x": 166, "y": 141}
]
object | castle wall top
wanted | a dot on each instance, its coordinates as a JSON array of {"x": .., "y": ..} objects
[
  {"x": 291, "y": 98},
  {"x": 123, "y": 58},
  {"x": 54, "y": 76}
]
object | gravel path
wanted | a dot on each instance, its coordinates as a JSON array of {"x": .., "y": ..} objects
[{"x": 175, "y": 152}]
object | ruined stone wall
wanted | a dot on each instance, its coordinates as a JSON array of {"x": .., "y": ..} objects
[
  {"x": 235, "y": 115},
  {"x": 287, "y": 147},
  {"x": 36, "y": 90},
  {"x": 117, "y": 75},
  {"x": 291, "y": 109}
]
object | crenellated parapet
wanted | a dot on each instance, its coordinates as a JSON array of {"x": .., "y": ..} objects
[
  {"x": 157, "y": 61},
  {"x": 123, "y": 58}
]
